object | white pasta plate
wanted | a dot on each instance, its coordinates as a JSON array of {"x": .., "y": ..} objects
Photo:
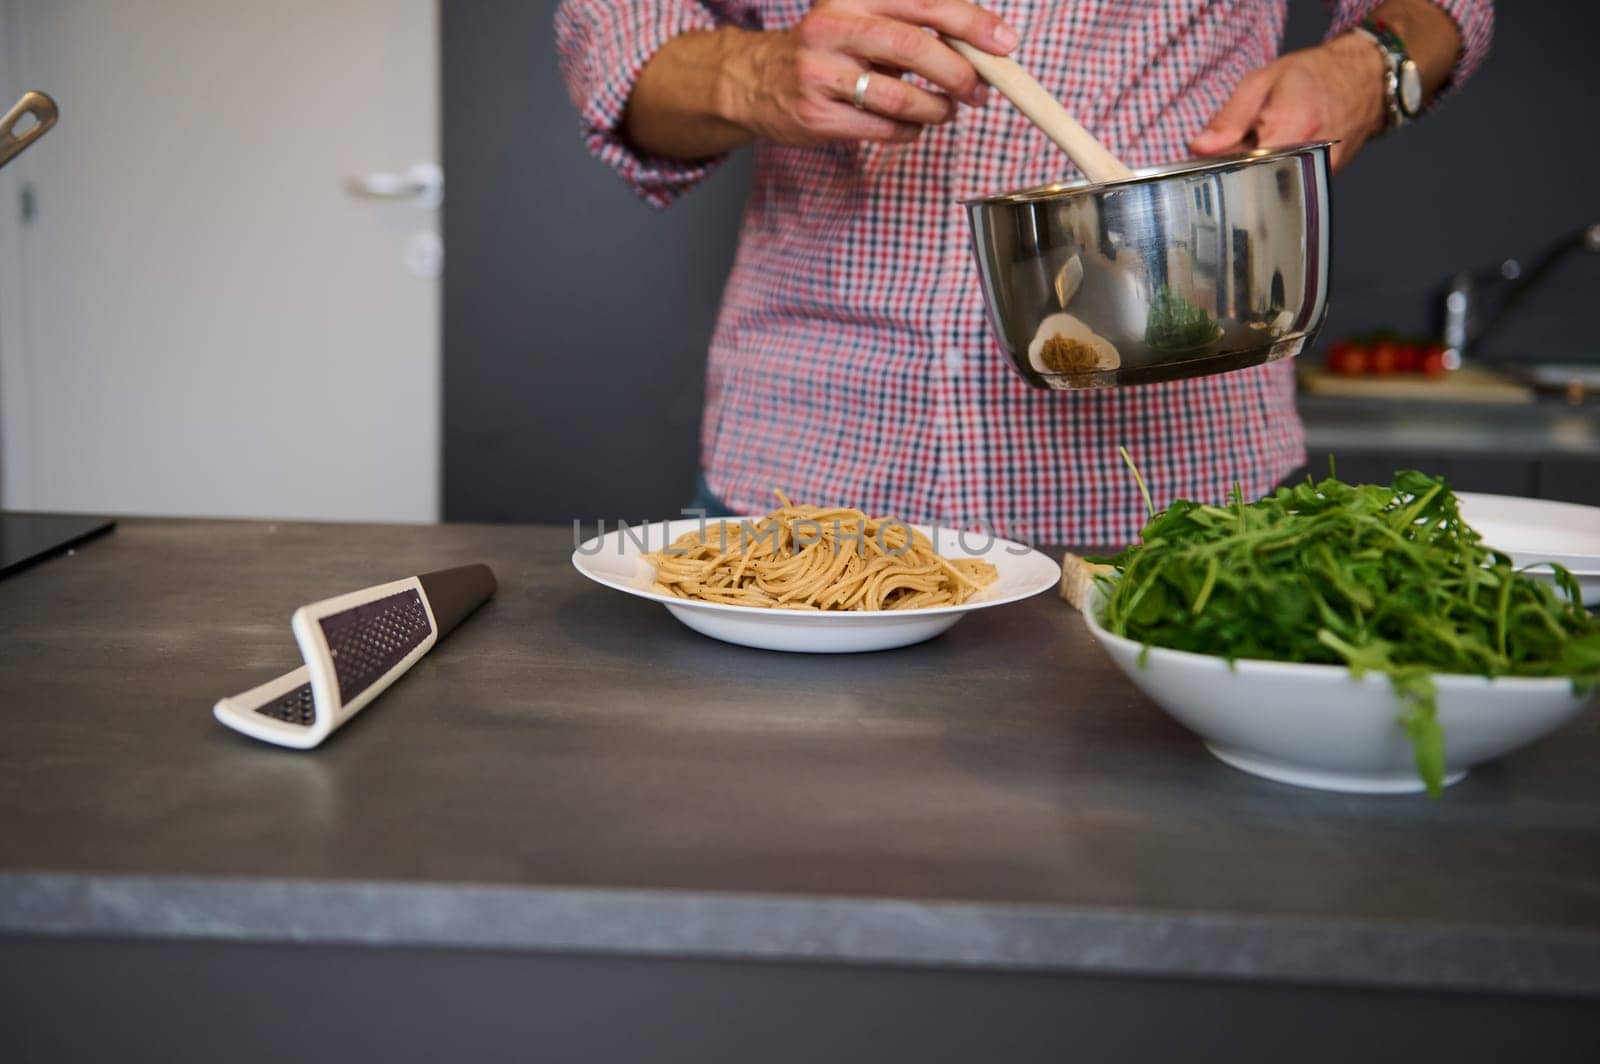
[
  {"x": 1538, "y": 531},
  {"x": 616, "y": 560}
]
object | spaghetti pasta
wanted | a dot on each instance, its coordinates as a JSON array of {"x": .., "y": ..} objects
[{"x": 816, "y": 558}]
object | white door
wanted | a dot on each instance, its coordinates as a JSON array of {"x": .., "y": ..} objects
[{"x": 197, "y": 314}]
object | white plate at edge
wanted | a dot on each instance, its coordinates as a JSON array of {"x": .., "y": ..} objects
[
  {"x": 615, "y": 560},
  {"x": 1532, "y": 531}
]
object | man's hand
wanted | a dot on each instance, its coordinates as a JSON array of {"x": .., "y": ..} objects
[
  {"x": 797, "y": 87},
  {"x": 709, "y": 92},
  {"x": 1335, "y": 90},
  {"x": 1331, "y": 92}
]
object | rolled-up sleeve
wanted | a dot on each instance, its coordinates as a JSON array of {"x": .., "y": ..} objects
[
  {"x": 602, "y": 46},
  {"x": 1473, "y": 18}
]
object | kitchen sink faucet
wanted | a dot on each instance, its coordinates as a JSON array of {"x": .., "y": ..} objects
[{"x": 1466, "y": 322}]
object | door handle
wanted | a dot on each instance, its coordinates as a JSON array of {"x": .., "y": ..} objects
[
  {"x": 43, "y": 110},
  {"x": 421, "y": 186}
]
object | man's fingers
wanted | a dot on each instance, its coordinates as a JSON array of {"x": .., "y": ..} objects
[
  {"x": 836, "y": 77},
  {"x": 851, "y": 124},
  {"x": 893, "y": 98},
  {"x": 892, "y": 35},
  {"x": 885, "y": 42},
  {"x": 969, "y": 22},
  {"x": 1291, "y": 114},
  {"x": 1238, "y": 116},
  {"x": 1281, "y": 125}
]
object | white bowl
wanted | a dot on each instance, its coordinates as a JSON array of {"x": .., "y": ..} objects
[
  {"x": 1538, "y": 531},
  {"x": 1317, "y": 726}
]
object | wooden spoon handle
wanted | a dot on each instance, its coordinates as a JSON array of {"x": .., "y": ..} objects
[{"x": 1044, "y": 111}]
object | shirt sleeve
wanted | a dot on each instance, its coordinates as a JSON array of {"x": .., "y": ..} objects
[
  {"x": 1473, "y": 18},
  {"x": 602, "y": 45}
]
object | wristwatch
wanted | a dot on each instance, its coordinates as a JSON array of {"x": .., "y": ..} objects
[{"x": 1402, "y": 81}]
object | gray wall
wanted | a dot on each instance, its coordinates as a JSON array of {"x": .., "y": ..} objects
[
  {"x": 576, "y": 319},
  {"x": 1419, "y": 206}
]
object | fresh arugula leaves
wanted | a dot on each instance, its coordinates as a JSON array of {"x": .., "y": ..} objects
[
  {"x": 1379, "y": 579},
  {"x": 1176, "y": 324}
]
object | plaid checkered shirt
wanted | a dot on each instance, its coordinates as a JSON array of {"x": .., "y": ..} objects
[{"x": 852, "y": 362}]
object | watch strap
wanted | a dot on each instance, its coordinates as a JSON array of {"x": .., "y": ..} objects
[
  {"x": 1386, "y": 35},
  {"x": 1381, "y": 37},
  {"x": 1404, "y": 94}
]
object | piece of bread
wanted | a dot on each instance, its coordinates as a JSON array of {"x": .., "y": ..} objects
[{"x": 1077, "y": 579}]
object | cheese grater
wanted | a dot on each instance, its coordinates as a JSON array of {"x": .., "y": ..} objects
[{"x": 354, "y": 647}]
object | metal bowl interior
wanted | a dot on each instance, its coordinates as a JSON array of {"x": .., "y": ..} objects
[{"x": 1184, "y": 271}]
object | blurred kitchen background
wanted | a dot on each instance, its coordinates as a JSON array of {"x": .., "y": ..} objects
[{"x": 347, "y": 259}]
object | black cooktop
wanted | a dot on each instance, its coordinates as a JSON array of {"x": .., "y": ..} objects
[{"x": 29, "y": 538}]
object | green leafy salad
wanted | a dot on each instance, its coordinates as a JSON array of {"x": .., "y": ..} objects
[
  {"x": 1377, "y": 578},
  {"x": 1176, "y": 324}
]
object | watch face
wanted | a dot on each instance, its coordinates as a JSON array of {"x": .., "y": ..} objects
[{"x": 1410, "y": 88}]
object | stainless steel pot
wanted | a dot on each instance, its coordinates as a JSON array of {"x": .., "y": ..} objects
[{"x": 1186, "y": 270}]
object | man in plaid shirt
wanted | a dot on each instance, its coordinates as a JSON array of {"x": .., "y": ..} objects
[{"x": 852, "y": 363}]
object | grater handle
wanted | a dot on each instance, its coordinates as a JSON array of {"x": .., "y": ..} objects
[{"x": 454, "y": 593}]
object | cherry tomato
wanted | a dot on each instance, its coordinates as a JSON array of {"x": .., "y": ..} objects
[
  {"x": 1384, "y": 357},
  {"x": 1337, "y": 354},
  {"x": 1408, "y": 358},
  {"x": 1433, "y": 362},
  {"x": 1354, "y": 362}
]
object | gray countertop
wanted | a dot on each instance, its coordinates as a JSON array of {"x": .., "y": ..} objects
[
  {"x": 1545, "y": 429},
  {"x": 573, "y": 770}
]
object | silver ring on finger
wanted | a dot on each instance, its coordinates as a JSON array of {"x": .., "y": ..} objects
[{"x": 859, "y": 97}]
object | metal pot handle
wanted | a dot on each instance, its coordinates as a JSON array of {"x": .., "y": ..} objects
[{"x": 42, "y": 108}]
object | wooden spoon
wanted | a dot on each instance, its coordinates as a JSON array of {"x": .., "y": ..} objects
[{"x": 1043, "y": 110}]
